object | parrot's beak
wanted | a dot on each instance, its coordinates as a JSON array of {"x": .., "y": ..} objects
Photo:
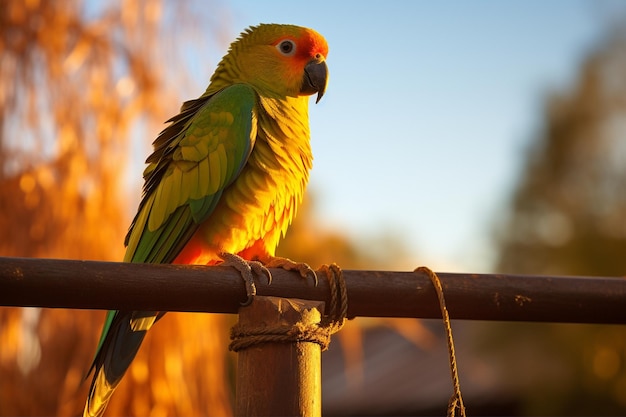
[{"x": 315, "y": 78}]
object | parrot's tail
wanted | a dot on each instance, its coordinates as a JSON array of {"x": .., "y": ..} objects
[{"x": 118, "y": 347}]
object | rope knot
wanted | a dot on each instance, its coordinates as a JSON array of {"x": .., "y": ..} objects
[
  {"x": 315, "y": 331},
  {"x": 243, "y": 337}
]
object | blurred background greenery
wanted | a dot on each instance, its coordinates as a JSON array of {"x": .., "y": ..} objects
[{"x": 83, "y": 90}]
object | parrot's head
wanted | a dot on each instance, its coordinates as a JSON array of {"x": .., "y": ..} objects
[{"x": 280, "y": 60}]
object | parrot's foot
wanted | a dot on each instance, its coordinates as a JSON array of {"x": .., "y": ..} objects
[
  {"x": 287, "y": 264},
  {"x": 247, "y": 270}
]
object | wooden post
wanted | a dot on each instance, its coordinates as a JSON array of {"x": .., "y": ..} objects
[{"x": 279, "y": 378}]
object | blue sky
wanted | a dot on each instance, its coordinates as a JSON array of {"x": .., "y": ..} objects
[{"x": 429, "y": 110}]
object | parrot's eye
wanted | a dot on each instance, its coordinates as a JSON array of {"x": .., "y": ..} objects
[{"x": 287, "y": 47}]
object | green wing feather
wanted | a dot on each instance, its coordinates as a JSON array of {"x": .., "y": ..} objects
[
  {"x": 195, "y": 158},
  {"x": 189, "y": 171}
]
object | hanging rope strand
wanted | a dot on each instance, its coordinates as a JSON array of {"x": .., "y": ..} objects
[{"x": 456, "y": 401}]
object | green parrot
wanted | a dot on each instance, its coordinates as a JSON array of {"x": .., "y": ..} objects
[{"x": 225, "y": 178}]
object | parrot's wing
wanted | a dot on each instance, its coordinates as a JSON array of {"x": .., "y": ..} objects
[{"x": 196, "y": 157}]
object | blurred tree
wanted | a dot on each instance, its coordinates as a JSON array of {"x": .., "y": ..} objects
[
  {"x": 75, "y": 80},
  {"x": 568, "y": 213},
  {"x": 568, "y": 217}
]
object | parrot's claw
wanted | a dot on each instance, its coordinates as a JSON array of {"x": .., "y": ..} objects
[
  {"x": 247, "y": 269},
  {"x": 287, "y": 264}
]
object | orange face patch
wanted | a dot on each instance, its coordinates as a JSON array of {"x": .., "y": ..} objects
[{"x": 307, "y": 46}]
